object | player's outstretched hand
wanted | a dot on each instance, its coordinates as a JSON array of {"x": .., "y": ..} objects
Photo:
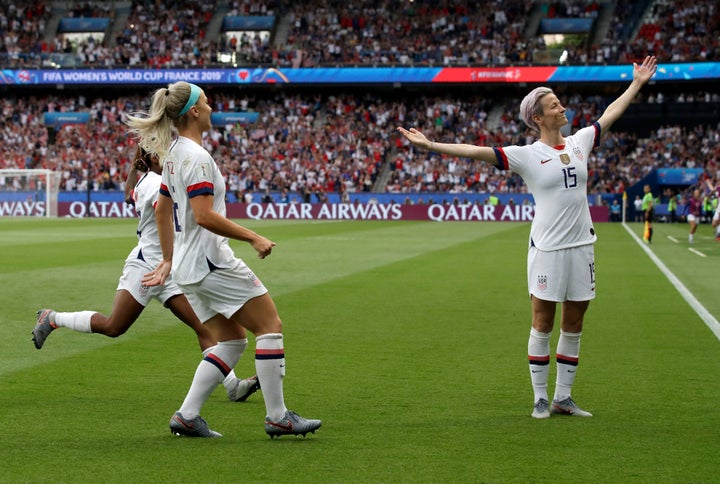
[
  {"x": 158, "y": 275},
  {"x": 646, "y": 70},
  {"x": 415, "y": 137}
]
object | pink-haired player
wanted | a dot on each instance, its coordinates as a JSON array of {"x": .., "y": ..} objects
[{"x": 561, "y": 261}]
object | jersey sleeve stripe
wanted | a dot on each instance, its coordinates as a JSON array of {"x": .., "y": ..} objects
[
  {"x": 598, "y": 132},
  {"x": 164, "y": 190},
  {"x": 204, "y": 188},
  {"x": 502, "y": 161}
]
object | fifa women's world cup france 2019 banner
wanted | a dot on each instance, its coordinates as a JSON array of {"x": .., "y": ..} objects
[{"x": 356, "y": 75}]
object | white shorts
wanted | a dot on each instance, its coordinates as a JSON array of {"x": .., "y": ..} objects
[
  {"x": 223, "y": 291},
  {"x": 692, "y": 218},
  {"x": 716, "y": 215},
  {"x": 131, "y": 281},
  {"x": 562, "y": 275}
]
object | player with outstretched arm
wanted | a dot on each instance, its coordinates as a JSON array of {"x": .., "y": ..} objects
[{"x": 561, "y": 260}]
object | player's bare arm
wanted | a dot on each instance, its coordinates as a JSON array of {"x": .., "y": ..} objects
[
  {"x": 206, "y": 217},
  {"x": 641, "y": 75},
  {"x": 166, "y": 233},
  {"x": 482, "y": 153},
  {"x": 130, "y": 183}
]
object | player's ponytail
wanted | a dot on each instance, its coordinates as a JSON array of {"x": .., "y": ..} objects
[{"x": 155, "y": 128}]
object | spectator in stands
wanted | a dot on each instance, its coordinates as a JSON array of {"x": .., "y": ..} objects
[
  {"x": 615, "y": 211},
  {"x": 556, "y": 240},
  {"x": 637, "y": 205}
]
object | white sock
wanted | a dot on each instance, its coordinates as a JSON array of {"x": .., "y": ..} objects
[
  {"x": 690, "y": 238},
  {"x": 229, "y": 381},
  {"x": 568, "y": 350},
  {"x": 270, "y": 367},
  {"x": 78, "y": 321},
  {"x": 209, "y": 350},
  {"x": 210, "y": 372},
  {"x": 539, "y": 362}
]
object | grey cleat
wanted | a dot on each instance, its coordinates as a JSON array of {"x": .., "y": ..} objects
[
  {"x": 541, "y": 409},
  {"x": 291, "y": 424},
  {"x": 243, "y": 389},
  {"x": 196, "y": 427},
  {"x": 568, "y": 407},
  {"x": 44, "y": 326}
]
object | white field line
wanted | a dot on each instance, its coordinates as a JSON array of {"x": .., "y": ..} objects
[{"x": 697, "y": 252}]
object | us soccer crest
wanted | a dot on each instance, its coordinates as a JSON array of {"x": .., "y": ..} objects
[
  {"x": 542, "y": 282},
  {"x": 578, "y": 154},
  {"x": 565, "y": 158}
]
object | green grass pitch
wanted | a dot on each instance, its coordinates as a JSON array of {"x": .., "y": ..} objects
[{"x": 409, "y": 341}]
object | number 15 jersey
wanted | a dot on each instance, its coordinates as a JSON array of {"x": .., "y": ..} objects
[{"x": 557, "y": 178}]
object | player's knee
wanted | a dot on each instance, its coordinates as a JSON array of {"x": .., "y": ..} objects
[
  {"x": 114, "y": 333},
  {"x": 114, "y": 330},
  {"x": 274, "y": 325}
]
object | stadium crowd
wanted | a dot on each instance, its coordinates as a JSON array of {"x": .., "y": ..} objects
[
  {"x": 313, "y": 144},
  {"x": 171, "y": 33}
]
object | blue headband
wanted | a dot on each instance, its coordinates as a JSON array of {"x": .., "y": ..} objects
[{"x": 194, "y": 96}]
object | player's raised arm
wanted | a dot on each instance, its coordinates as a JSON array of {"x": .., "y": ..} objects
[
  {"x": 482, "y": 153},
  {"x": 641, "y": 75}
]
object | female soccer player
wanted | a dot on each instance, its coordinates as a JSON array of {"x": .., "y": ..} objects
[
  {"x": 132, "y": 296},
  {"x": 221, "y": 288},
  {"x": 561, "y": 262},
  {"x": 695, "y": 203}
]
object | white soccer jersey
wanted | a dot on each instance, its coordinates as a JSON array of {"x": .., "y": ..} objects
[
  {"x": 557, "y": 178},
  {"x": 145, "y": 195},
  {"x": 190, "y": 171}
]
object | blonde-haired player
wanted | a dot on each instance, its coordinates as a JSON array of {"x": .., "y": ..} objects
[
  {"x": 223, "y": 291},
  {"x": 132, "y": 296}
]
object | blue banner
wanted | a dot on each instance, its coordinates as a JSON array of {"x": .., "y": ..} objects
[
  {"x": 84, "y": 24},
  {"x": 355, "y": 75},
  {"x": 678, "y": 176},
  {"x": 232, "y": 22},
  {"x": 566, "y": 25},
  {"x": 58, "y": 119},
  {"x": 222, "y": 118}
]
